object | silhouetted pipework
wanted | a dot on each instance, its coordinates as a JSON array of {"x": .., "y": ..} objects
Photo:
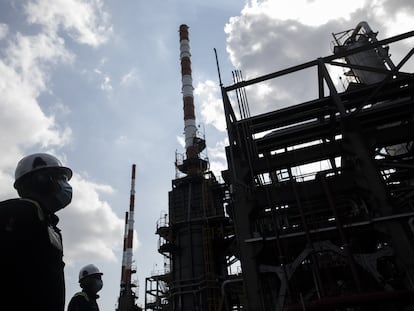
[{"x": 323, "y": 191}]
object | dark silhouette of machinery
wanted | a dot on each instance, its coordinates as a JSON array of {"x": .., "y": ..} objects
[{"x": 317, "y": 206}]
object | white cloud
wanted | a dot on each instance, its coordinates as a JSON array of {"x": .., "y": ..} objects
[
  {"x": 271, "y": 35},
  {"x": 106, "y": 84},
  {"x": 25, "y": 71},
  {"x": 85, "y": 21},
  {"x": 288, "y": 33},
  {"x": 6, "y": 179},
  {"x": 90, "y": 228},
  {"x": 130, "y": 78},
  {"x": 31, "y": 56},
  {"x": 307, "y": 12},
  {"x": 122, "y": 140},
  {"x": 209, "y": 99},
  {"x": 4, "y": 30},
  {"x": 403, "y": 21},
  {"x": 278, "y": 43},
  {"x": 59, "y": 108},
  {"x": 105, "y": 80},
  {"x": 217, "y": 157},
  {"x": 23, "y": 77},
  {"x": 181, "y": 141}
]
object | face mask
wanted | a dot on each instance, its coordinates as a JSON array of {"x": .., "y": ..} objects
[
  {"x": 94, "y": 285},
  {"x": 53, "y": 193},
  {"x": 64, "y": 196}
]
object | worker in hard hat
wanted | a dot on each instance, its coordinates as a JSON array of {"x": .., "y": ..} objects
[
  {"x": 31, "y": 260},
  {"x": 90, "y": 280}
]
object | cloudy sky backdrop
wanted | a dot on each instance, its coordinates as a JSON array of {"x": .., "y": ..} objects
[{"x": 97, "y": 83}]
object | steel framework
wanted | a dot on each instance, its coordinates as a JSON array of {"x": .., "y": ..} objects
[{"x": 339, "y": 237}]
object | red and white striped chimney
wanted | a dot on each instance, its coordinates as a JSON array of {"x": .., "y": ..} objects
[
  {"x": 190, "y": 129},
  {"x": 124, "y": 252},
  {"x": 128, "y": 238}
]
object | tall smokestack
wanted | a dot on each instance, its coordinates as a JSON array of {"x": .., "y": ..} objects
[
  {"x": 124, "y": 254},
  {"x": 126, "y": 300},
  {"x": 190, "y": 128},
  {"x": 128, "y": 237},
  {"x": 128, "y": 267}
]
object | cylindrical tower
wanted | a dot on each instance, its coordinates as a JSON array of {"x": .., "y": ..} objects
[
  {"x": 124, "y": 256},
  {"x": 127, "y": 297},
  {"x": 192, "y": 165},
  {"x": 128, "y": 264},
  {"x": 190, "y": 129}
]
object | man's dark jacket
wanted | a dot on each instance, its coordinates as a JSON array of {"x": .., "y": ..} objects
[
  {"x": 83, "y": 302},
  {"x": 31, "y": 260}
]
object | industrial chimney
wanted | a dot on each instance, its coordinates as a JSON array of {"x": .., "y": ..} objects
[
  {"x": 127, "y": 297},
  {"x": 193, "y": 144},
  {"x": 190, "y": 129}
]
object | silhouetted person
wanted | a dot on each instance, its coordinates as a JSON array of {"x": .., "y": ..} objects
[
  {"x": 90, "y": 280},
  {"x": 31, "y": 263}
]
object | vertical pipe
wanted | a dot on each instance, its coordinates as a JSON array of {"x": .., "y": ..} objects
[{"x": 190, "y": 128}]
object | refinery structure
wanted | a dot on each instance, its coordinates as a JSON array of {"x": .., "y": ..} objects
[
  {"x": 192, "y": 238},
  {"x": 316, "y": 210}
]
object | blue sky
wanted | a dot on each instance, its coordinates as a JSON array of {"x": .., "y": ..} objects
[{"x": 98, "y": 84}]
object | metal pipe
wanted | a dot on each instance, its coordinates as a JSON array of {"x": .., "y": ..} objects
[
  {"x": 360, "y": 25},
  {"x": 223, "y": 290}
]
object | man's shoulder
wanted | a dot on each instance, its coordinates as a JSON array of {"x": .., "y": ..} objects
[
  {"x": 19, "y": 202},
  {"x": 80, "y": 298},
  {"x": 20, "y": 209}
]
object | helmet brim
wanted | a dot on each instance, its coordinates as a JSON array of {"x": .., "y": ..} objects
[
  {"x": 60, "y": 169},
  {"x": 90, "y": 275}
]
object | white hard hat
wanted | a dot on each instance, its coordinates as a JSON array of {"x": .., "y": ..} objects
[
  {"x": 38, "y": 161},
  {"x": 88, "y": 270}
]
